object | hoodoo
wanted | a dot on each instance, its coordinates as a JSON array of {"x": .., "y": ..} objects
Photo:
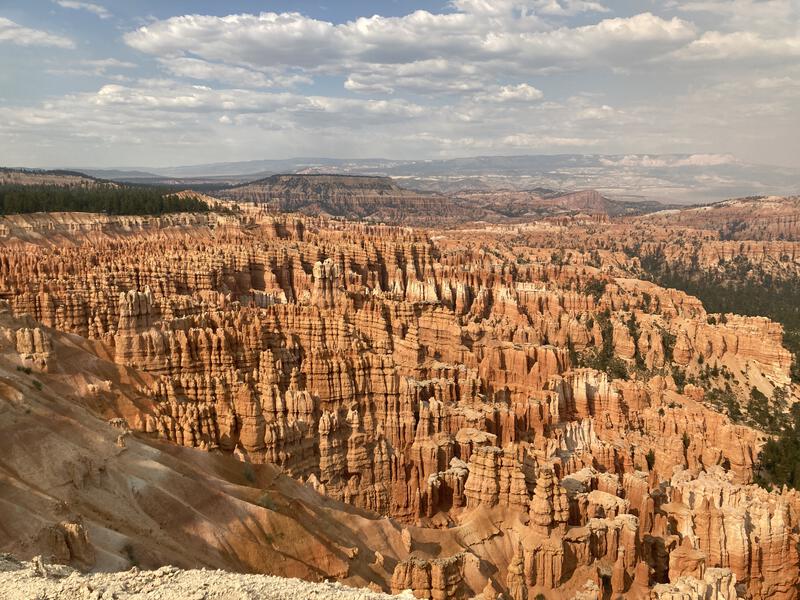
[{"x": 408, "y": 411}]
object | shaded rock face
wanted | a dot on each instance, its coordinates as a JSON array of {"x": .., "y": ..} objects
[
  {"x": 34, "y": 347},
  {"x": 434, "y": 380},
  {"x": 438, "y": 579},
  {"x": 66, "y": 542}
]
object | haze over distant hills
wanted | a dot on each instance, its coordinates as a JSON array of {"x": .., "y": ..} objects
[{"x": 687, "y": 178}]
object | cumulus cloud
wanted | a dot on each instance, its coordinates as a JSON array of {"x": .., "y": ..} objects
[
  {"x": 527, "y": 7},
  {"x": 611, "y": 42},
  {"x": 568, "y": 7},
  {"x": 433, "y": 76},
  {"x": 268, "y": 39},
  {"x": 714, "y": 45},
  {"x": 14, "y": 33},
  {"x": 96, "y": 9},
  {"x": 415, "y": 46}
]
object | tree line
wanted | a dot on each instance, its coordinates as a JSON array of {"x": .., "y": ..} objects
[
  {"x": 737, "y": 286},
  {"x": 103, "y": 198}
]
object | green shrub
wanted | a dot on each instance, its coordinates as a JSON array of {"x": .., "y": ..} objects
[
  {"x": 265, "y": 501},
  {"x": 760, "y": 412},
  {"x": 249, "y": 473},
  {"x": 651, "y": 459},
  {"x": 679, "y": 377},
  {"x": 779, "y": 460},
  {"x": 595, "y": 288}
]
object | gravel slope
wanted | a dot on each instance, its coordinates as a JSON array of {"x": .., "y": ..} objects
[{"x": 37, "y": 581}]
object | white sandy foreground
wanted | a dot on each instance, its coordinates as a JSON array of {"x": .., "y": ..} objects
[{"x": 38, "y": 581}]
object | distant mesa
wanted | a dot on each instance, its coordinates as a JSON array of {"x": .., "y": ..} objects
[
  {"x": 751, "y": 218},
  {"x": 382, "y": 199},
  {"x": 42, "y": 177},
  {"x": 377, "y": 199}
]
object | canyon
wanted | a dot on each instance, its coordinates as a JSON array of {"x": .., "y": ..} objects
[{"x": 437, "y": 403}]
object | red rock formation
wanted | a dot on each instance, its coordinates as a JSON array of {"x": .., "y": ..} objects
[
  {"x": 745, "y": 529},
  {"x": 33, "y": 345},
  {"x": 433, "y": 380},
  {"x": 438, "y": 579}
]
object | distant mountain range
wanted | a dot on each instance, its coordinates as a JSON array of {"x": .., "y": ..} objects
[{"x": 682, "y": 178}]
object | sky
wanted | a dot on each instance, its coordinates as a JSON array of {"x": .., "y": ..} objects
[{"x": 107, "y": 83}]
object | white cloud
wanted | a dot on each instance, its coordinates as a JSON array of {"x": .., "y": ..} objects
[
  {"x": 714, "y": 45},
  {"x": 23, "y": 36},
  {"x": 772, "y": 17},
  {"x": 431, "y": 76},
  {"x": 522, "y": 93},
  {"x": 616, "y": 43},
  {"x": 527, "y": 7},
  {"x": 596, "y": 113},
  {"x": 193, "y": 68},
  {"x": 165, "y": 96},
  {"x": 568, "y": 7},
  {"x": 167, "y": 116},
  {"x": 161, "y": 119},
  {"x": 418, "y": 43},
  {"x": 268, "y": 39},
  {"x": 538, "y": 142},
  {"x": 96, "y": 9}
]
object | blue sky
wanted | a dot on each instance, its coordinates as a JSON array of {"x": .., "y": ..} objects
[{"x": 110, "y": 83}]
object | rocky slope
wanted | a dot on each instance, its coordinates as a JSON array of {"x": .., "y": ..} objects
[
  {"x": 477, "y": 411},
  {"x": 770, "y": 218},
  {"x": 37, "y": 579}
]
